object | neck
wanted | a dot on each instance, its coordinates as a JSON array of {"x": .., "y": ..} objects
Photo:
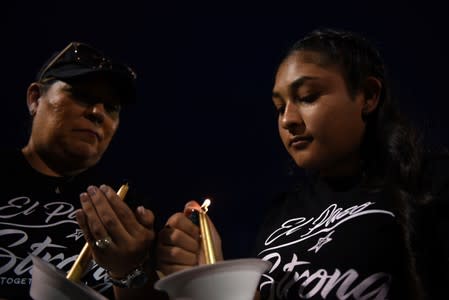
[
  {"x": 348, "y": 167},
  {"x": 39, "y": 164}
]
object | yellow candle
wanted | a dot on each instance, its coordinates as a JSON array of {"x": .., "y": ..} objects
[
  {"x": 206, "y": 237},
  {"x": 83, "y": 260}
]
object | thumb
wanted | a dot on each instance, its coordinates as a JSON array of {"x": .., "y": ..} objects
[{"x": 190, "y": 207}]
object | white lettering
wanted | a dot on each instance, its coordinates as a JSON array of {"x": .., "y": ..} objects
[
  {"x": 15, "y": 206},
  {"x": 329, "y": 219},
  {"x": 311, "y": 283}
]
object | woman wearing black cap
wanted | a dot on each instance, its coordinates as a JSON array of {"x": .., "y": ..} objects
[{"x": 51, "y": 185}]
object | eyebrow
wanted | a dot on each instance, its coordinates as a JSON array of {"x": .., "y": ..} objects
[{"x": 297, "y": 83}]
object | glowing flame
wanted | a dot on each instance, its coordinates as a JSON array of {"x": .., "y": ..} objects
[{"x": 205, "y": 205}]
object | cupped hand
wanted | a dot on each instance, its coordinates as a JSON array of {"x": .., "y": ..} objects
[{"x": 104, "y": 214}]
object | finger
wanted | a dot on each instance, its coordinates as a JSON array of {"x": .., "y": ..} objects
[
  {"x": 82, "y": 222},
  {"x": 177, "y": 238},
  {"x": 176, "y": 256},
  {"x": 181, "y": 222},
  {"x": 124, "y": 215},
  {"x": 95, "y": 225},
  {"x": 145, "y": 217},
  {"x": 168, "y": 269}
]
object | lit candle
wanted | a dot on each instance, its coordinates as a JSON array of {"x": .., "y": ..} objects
[
  {"x": 206, "y": 237},
  {"x": 83, "y": 260}
]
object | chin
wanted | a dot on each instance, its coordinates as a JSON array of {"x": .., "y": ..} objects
[
  {"x": 88, "y": 156},
  {"x": 306, "y": 162},
  {"x": 84, "y": 149}
]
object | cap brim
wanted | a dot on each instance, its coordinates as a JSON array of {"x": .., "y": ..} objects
[{"x": 122, "y": 82}]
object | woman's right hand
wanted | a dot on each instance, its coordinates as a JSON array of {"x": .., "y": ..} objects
[{"x": 179, "y": 242}]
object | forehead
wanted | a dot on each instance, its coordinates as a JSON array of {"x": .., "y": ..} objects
[{"x": 306, "y": 64}]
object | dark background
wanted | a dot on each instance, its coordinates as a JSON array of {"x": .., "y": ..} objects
[{"x": 204, "y": 125}]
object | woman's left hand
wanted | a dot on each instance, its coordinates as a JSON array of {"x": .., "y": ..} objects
[{"x": 120, "y": 238}]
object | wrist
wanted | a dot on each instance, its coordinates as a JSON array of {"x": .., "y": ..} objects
[{"x": 137, "y": 277}]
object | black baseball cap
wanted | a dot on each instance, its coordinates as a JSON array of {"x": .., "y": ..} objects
[{"x": 79, "y": 60}]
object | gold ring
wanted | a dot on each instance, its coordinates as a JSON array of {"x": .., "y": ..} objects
[{"x": 103, "y": 243}]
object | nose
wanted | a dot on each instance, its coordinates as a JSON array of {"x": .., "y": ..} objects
[
  {"x": 292, "y": 118},
  {"x": 96, "y": 113}
]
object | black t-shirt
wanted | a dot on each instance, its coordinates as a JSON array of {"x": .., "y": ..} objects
[
  {"x": 37, "y": 216},
  {"x": 337, "y": 240}
]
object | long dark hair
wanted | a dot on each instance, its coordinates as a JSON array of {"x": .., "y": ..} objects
[{"x": 391, "y": 152}]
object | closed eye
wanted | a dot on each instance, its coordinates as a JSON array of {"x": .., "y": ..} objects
[
  {"x": 309, "y": 98},
  {"x": 83, "y": 99},
  {"x": 112, "y": 108},
  {"x": 87, "y": 100}
]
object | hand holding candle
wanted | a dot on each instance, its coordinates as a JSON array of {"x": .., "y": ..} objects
[
  {"x": 84, "y": 258},
  {"x": 192, "y": 260}
]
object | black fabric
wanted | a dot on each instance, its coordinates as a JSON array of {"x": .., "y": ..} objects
[
  {"x": 37, "y": 216},
  {"x": 337, "y": 240}
]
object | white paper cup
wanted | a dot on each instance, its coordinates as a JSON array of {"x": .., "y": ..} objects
[
  {"x": 50, "y": 283},
  {"x": 226, "y": 280}
]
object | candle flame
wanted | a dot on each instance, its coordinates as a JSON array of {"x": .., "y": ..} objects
[{"x": 205, "y": 205}]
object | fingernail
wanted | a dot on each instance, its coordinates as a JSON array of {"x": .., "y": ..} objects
[
  {"x": 83, "y": 197},
  {"x": 91, "y": 190},
  {"x": 141, "y": 210},
  {"x": 103, "y": 188}
]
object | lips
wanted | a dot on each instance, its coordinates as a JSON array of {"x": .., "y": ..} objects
[
  {"x": 90, "y": 132},
  {"x": 300, "y": 141}
]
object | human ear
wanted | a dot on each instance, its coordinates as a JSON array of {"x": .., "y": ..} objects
[
  {"x": 372, "y": 89},
  {"x": 33, "y": 95}
]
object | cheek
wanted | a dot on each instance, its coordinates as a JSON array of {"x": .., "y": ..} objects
[
  {"x": 334, "y": 120},
  {"x": 47, "y": 123},
  {"x": 60, "y": 114},
  {"x": 342, "y": 132},
  {"x": 110, "y": 127},
  {"x": 318, "y": 121}
]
